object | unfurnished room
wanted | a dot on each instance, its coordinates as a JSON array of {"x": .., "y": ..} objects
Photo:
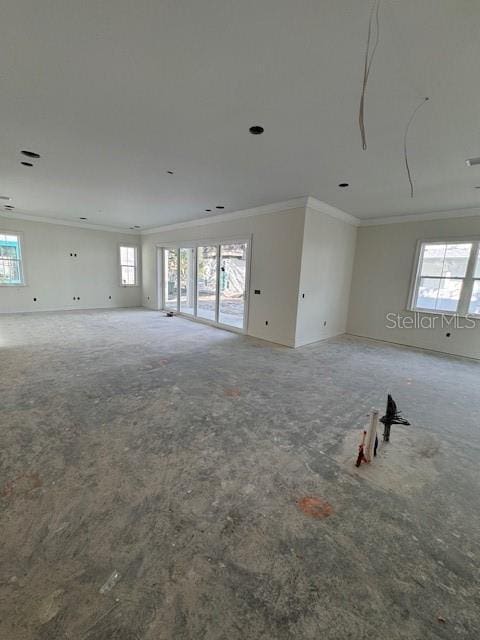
[{"x": 239, "y": 320}]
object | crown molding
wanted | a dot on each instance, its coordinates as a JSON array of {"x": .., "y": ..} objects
[
  {"x": 10, "y": 215},
  {"x": 277, "y": 207},
  {"x": 471, "y": 212},
  {"x": 333, "y": 212}
]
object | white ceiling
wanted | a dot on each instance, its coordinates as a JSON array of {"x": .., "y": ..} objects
[{"x": 113, "y": 93}]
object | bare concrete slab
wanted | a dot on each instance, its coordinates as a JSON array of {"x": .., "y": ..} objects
[{"x": 164, "y": 480}]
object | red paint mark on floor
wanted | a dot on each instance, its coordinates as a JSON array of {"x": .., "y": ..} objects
[
  {"x": 315, "y": 507},
  {"x": 234, "y": 392},
  {"x": 21, "y": 485}
]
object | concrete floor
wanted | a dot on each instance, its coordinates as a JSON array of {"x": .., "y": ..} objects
[{"x": 178, "y": 456}]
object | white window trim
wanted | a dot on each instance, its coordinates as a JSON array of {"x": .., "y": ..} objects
[
  {"x": 468, "y": 279},
  {"x": 19, "y": 234},
  {"x": 137, "y": 264}
]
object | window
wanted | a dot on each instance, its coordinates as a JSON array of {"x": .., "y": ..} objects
[
  {"x": 448, "y": 278},
  {"x": 128, "y": 266},
  {"x": 11, "y": 271}
]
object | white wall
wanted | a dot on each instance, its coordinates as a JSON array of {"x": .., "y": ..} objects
[
  {"x": 54, "y": 278},
  {"x": 326, "y": 274},
  {"x": 381, "y": 281},
  {"x": 275, "y": 267}
]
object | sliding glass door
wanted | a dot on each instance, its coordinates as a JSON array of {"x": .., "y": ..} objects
[
  {"x": 170, "y": 269},
  {"x": 208, "y": 282},
  {"x": 187, "y": 280},
  {"x": 233, "y": 272}
]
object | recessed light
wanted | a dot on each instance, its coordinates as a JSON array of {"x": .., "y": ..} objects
[
  {"x": 30, "y": 154},
  {"x": 83, "y": 218},
  {"x": 5, "y": 198},
  {"x": 219, "y": 206},
  {"x": 472, "y": 162},
  {"x": 256, "y": 130},
  {"x": 170, "y": 172},
  {"x": 9, "y": 207},
  {"x": 208, "y": 211},
  {"x": 27, "y": 164},
  {"x": 136, "y": 226},
  {"x": 343, "y": 185}
]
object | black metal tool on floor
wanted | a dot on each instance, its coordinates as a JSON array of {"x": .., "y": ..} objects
[
  {"x": 361, "y": 451},
  {"x": 392, "y": 416}
]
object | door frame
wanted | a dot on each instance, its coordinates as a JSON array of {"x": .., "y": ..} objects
[{"x": 207, "y": 242}]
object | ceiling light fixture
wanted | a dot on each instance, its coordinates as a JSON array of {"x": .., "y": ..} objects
[
  {"x": 9, "y": 207},
  {"x": 208, "y": 211},
  {"x": 30, "y": 154},
  {"x": 219, "y": 206},
  {"x": 83, "y": 218},
  {"x": 472, "y": 162},
  {"x": 5, "y": 198},
  {"x": 27, "y": 164},
  {"x": 170, "y": 172},
  {"x": 342, "y": 185},
  {"x": 256, "y": 130},
  {"x": 136, "y": 226}
]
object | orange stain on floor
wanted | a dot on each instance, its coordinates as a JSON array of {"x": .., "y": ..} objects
[{"x": 315, "y": 507}]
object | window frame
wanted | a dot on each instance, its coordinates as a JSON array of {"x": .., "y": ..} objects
[
  {"x": 21, "y": 244},
  {"x": 137, "y": 264},
  {"x": 467, "y": 281}
]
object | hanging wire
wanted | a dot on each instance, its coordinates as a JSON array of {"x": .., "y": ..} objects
[
  {"x": 405, "y": 146},
  {"x": 373, "y": 27}
]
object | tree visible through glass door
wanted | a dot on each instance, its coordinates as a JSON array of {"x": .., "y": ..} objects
[
  {"x": 171, "y": 279},
  {"x": 207, "y": 282},
  {"x": 232, "y": 280}
]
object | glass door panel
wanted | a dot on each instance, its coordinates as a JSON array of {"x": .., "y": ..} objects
[
  {"x": 187, "y": 280},
  {"x": 207, "y": 283},
  {"x": 232, "y": 280},
  {"x": 171, "y": 279}
]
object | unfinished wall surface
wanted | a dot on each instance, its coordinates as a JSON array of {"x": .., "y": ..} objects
[
  {"x": 54, "y": 278},
  {"x": 382, "y": 273},
  {"x": 326, "y": 274},
  {"x": 275, "y": 267}
]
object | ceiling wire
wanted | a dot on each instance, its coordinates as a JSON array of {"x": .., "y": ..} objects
[
  {"x": 373, "y": 32},
  {"x": 405, "y": 146}
]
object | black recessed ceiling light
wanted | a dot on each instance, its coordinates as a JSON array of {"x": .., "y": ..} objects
[
  {"x": 136, "y": 226},
  {"x": 256, "y": 130},
  {"x": 208, "y": 211},
  {"x": 83, "y": 218},
  {"x": 27, "y": 164},
  {"x": 343, "y": 185},
  {"x": 9, "y": 207},
  {"x": 170, "y": 172},
  {"x": 30, "y": 154},
  {"x": 219, "y": 206}
]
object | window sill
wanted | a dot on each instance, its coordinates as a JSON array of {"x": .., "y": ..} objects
[
  {"x": 450, "y": 314},
  {"x": 6, "y": 284}
]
